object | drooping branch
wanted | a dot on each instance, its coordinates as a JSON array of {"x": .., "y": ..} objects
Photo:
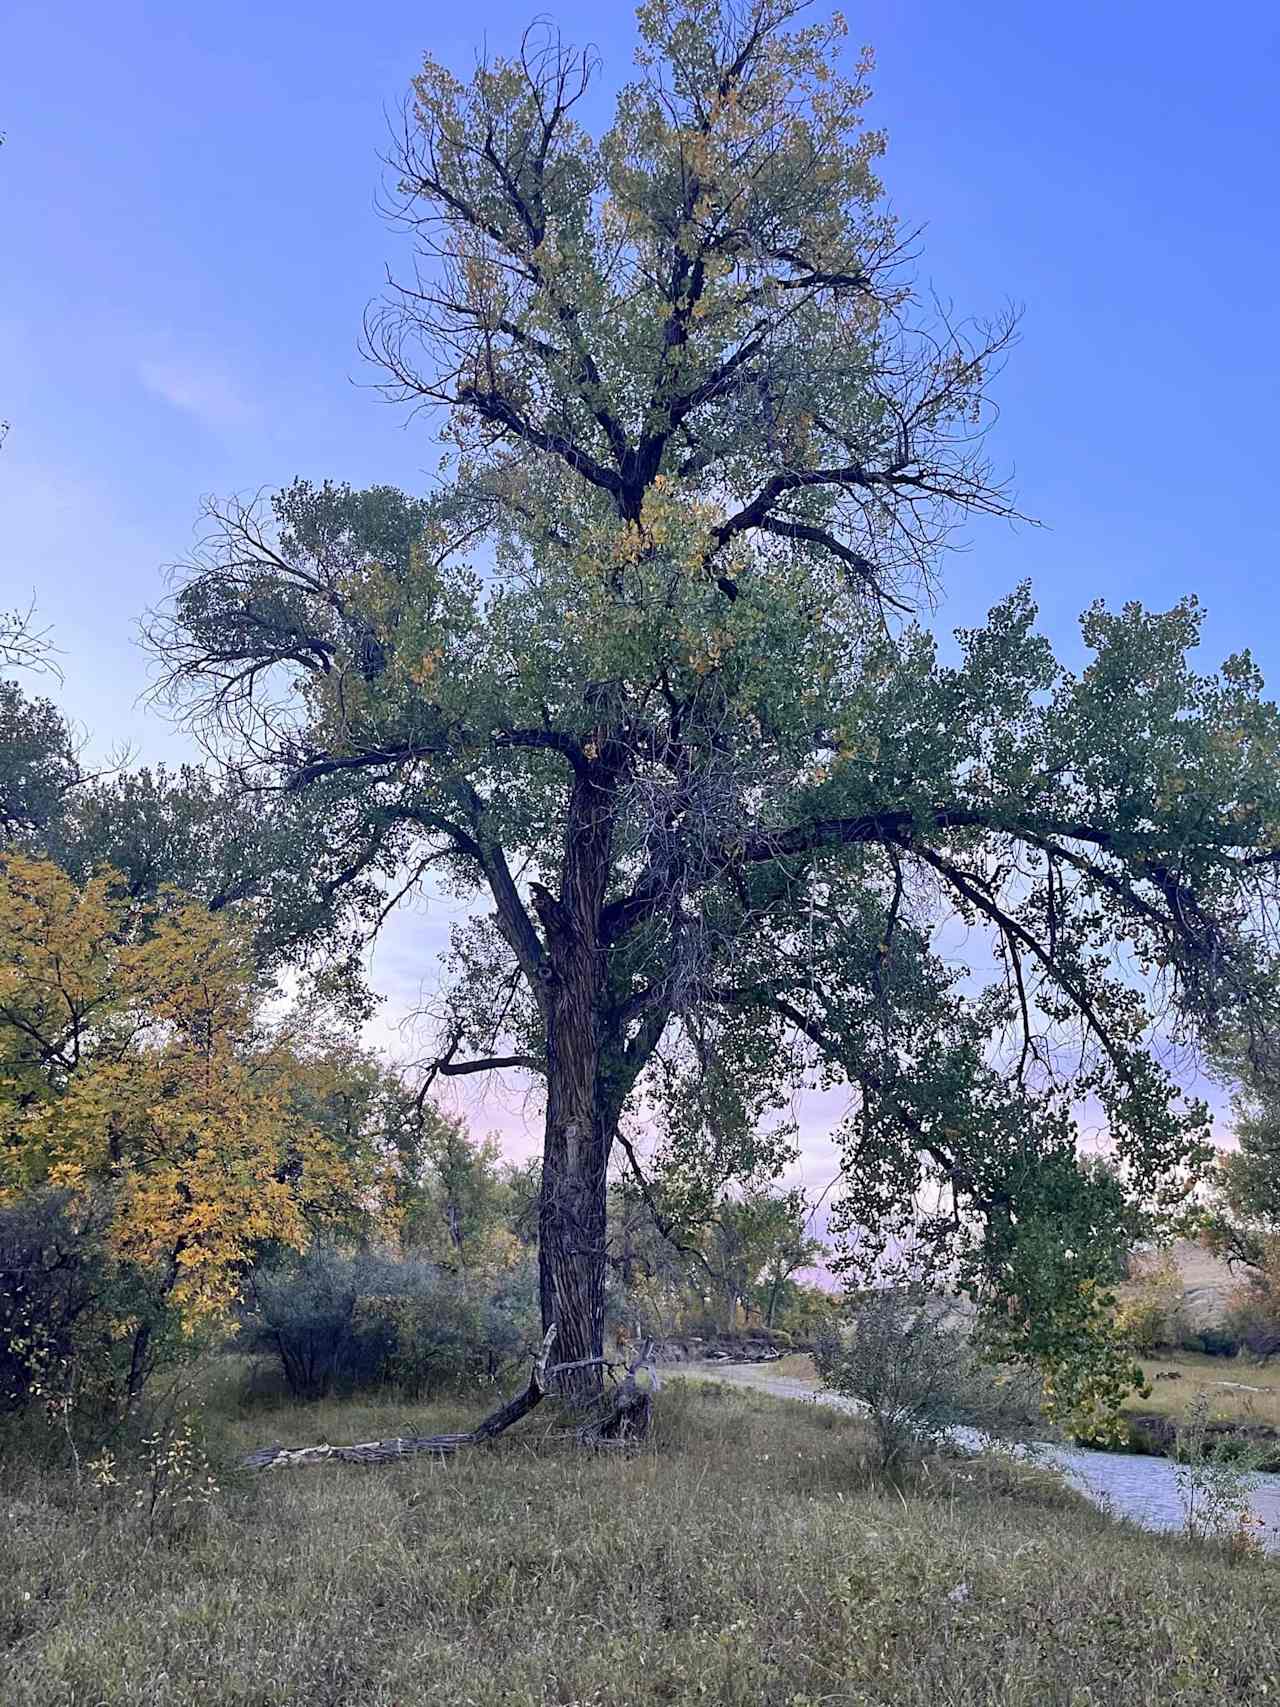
[
  {"x": 491, "y": 1064},
  {"x": 667, "y": 1228},
  {"x": 1017, "y": 933},
  {"x": 857, "y": 563},
  {"x": 866, "y": 1077},
  {"x": 446, "y": 1067}
]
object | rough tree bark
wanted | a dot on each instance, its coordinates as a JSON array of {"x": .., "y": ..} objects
[{"x": 572, "y": 1218}]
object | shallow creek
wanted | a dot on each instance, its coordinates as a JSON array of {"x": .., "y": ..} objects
[{"x": 1126, "y": 1483}]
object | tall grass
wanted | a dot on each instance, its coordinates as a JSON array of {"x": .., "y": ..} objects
[{"x": 742, "y": 1557}]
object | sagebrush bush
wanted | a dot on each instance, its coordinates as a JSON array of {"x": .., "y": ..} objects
[
  {"x": 1216, "y": 1478},
  {"x": 920, "y": 1375},
  {"x": 300, "y": 1311},
  {"x": 340, "y": 1321}
]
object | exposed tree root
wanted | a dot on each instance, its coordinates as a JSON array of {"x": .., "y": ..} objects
[{"x": 623, "y": 1419}]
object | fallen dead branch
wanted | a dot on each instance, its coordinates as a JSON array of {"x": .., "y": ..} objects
[{"x": 623, "y": 1419}]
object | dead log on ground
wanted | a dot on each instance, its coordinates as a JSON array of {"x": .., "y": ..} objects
[
  {"x": 622, "y": 1420},
  {"x": 407, "y": 1446}
]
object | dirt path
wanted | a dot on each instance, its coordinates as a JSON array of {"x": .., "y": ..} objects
[{"x": 759, "y": 1377}]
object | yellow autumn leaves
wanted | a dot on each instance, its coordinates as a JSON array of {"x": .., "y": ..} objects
[
  {"x": 675, "y": 527},
  {"x": 132, "y": 1066}
]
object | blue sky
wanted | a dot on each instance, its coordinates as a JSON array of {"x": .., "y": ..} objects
[{"x": 189, "y": 237}]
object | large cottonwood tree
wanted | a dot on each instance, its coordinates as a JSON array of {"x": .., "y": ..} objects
[{"x": 644, "y": 678}]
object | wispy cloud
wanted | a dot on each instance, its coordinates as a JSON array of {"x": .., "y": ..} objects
[{"x": 199, "y": 388}]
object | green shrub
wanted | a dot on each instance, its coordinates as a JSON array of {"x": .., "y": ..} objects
[
  {"x": 51, "y": 1273},
  {"x": 1254, "y": 1312},
  {"x": 1218, "y": 1342},
  {"x": 1216, "y": 1478},
  {"x": 919, "y": 1377},
  {"x": 77, "y": 1334},
  {"x": 423, "y": 1343},
  {"x": 341, "y": 1321}
]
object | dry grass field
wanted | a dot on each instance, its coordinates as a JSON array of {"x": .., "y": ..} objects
[
  {"x": 743, "y": 1556},
  {"x": 1237, "y": 1390}
]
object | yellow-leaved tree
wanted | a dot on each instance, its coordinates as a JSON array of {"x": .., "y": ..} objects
[{"x": 135, "y": 1070}]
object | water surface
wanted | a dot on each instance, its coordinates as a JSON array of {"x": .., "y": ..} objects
[{"x": 1145, "y": 1490}]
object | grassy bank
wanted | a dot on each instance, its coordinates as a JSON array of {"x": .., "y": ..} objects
[
  {"x": 1237, "y": 1390},
  {"x": 742, "y": 1558},
  {"x": 795, "y": 1366},
  {"x": 1241, "y": 1404}
]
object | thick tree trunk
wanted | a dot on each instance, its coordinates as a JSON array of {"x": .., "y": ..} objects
[
  {"x": 572, "y": 1219},
  {"x": 580, "y": 1121}
]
